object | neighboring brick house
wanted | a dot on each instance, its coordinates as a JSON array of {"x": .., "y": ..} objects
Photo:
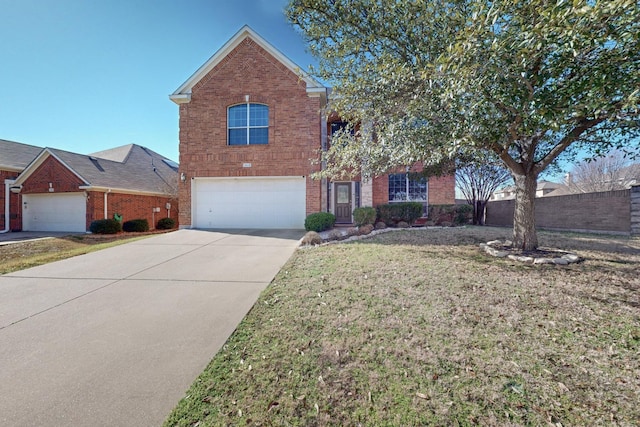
[
  {"x": 252, "y": 126},
  {"x": 63, "y": 191},
  {"x": 14, "y": 157}
]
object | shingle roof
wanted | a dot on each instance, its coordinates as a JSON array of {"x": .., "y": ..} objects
[
  {"x": 140, "y": 169},
  {"x": 16, "y": 156}
]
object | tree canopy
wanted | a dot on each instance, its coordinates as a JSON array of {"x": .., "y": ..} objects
[{"x": 428, "y": 79}]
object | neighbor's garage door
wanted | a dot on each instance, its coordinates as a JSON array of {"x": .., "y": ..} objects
[
  {"x": 54, "y": 212},
  {"x": 264, "y": 202}
]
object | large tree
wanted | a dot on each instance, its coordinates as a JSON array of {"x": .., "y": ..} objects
[{"x": 529, "y": 81}]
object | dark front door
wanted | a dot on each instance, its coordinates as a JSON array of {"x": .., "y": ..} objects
[{"x": 343, "y": 202}]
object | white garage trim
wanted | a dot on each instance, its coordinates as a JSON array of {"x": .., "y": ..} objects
[
  {"x": 54, "y": 212},
  {"x": 248, "y": 202}
]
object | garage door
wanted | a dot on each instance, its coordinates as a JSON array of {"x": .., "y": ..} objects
[
  {"x": 263, "y": 202},
  {"x": 54, "y": 212}
]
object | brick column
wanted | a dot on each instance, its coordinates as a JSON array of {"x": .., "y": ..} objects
[
  {"x": 635, "y": 210},
  {"x": 366, "y": 193}
]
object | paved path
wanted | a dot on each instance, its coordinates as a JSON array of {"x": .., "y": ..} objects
[{"x": 115, "y": 337}]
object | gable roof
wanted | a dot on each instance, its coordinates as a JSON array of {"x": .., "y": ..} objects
[
  {"x": 141, "y": 170},
  {"x": 183, "y": 93},
  {"x": 16, "y": 156}
]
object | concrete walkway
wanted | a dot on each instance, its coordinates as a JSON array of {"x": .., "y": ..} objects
[{"x": 115, "y": 337}]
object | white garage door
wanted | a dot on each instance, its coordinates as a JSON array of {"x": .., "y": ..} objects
[
  {"x": 54, "y": 212},
  {"x": 264, "y": 202}
]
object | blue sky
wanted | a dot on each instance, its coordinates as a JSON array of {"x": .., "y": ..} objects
[{"x": 85, "y": 76}]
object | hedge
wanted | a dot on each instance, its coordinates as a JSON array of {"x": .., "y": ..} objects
[
  {"x": 319, "y": 221},
  {"x": 454, "y": 214},
  {"x": 364, "y": 216},
  {"x": 166, "y": 224},
  {"x": 136, "y": 225},
  {"x": 392, "y": 213},
  {"x": 105, "y": 226}
]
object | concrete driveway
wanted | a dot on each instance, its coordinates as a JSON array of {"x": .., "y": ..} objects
[{"x": 115, "y": 337}]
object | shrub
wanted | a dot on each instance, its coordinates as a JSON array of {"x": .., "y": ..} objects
[
  {"x": 136, "y": 225},
  {"x": 365, "y": 229},
  {"x": 311, "y": 238},
  {"x": 402, "y": 224},
  {"x": 363, "y": 216},
  {"x": 319, "y": 221},
  {"x": 380, "y": 225},
  {"x": 450, "y": 214},
  {"x": 105, "y": 226},
  {"x": 166, "y": 224},
  {"x": 464, "y": 214},
  {"x": 392, "y": 213}
]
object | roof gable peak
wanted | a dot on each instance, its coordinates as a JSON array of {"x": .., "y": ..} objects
[{"x": 183, "y": 93}]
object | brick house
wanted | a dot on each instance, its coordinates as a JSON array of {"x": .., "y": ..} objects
[
  {"x": 58, "y": 190},
  {"x": 252, "y": 126}
]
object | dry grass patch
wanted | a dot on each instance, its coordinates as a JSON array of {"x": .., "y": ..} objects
[
  {"x": 418, "y": 327},
  {"x": 21, "y": 255}
]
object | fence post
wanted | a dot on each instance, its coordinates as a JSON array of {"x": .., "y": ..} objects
[{"x": 634, "y": 197}]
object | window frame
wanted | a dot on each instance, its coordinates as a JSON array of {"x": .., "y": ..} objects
[
  {"x": 248, "y": 126},
  {"x": 407, "y": 189}
]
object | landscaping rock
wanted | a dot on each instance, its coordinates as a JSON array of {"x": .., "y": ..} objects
[
  {"x": 571, "y": 257},
  {"x": 521, "y": 258}
]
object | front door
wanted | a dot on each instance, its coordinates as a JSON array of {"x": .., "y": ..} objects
[{"x": 343, "y": 202}]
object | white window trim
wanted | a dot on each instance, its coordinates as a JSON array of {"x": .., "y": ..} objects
[{"x": 248, "y": 127}]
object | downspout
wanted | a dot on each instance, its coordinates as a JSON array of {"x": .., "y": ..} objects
[
  {"x": 105, "y": 203},
  {"x": 7, "y": 212}
]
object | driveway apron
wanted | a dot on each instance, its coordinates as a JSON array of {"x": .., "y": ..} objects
[{"x": 115, "y": 337}]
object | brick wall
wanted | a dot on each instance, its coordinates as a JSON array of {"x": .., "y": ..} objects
[
  {"x": 51, "y": 171},
  {"x": 607, "y": 211},
  {"x": 294, "y": 124},
  {"x": 635, "y": 210},
  {"x": 130, "y": 206},
  {"x": 442, "y": 190},
  {"x": 15, "y": 222}
]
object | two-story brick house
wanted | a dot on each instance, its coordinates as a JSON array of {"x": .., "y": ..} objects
[{"x": 252, "y": 127}]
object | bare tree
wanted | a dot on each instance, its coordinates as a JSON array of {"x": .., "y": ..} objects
[
  {"x": 477, "y": 179},
  {"x": 611, "y": 172}
]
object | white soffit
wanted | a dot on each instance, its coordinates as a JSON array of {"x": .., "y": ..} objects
[{"x": 183, "y": 93}]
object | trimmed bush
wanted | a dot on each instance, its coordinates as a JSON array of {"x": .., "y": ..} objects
[
  {"x": 319, "y": 221},
  {"x": 363, "y": 216},
  {"x": 166, "y": 224},
  {"x": 392, "y": 213},
  {"x": 105, "y": 226},
  {"x": 136, "y": 226},
  {"x": 402, "y": 224},
  {"x": 380, "y": 225},
  {"x": 311, "y": 238},
  {"x": 450, "y": 214}
]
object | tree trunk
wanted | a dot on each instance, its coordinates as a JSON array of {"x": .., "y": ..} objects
[
  {"x": 524, "y": 222},
  {"x": 479, "y": 211}
]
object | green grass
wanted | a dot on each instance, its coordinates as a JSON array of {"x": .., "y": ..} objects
[{"x": 420, "y": 328}]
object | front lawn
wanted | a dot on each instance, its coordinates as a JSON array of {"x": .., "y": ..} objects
[{"x": 419, "y": 327}]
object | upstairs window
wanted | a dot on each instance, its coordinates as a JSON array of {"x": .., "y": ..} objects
[{"x": 248, "y": 124}]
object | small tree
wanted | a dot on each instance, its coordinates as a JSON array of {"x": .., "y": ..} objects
[{"x": 477, "y": 179}]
